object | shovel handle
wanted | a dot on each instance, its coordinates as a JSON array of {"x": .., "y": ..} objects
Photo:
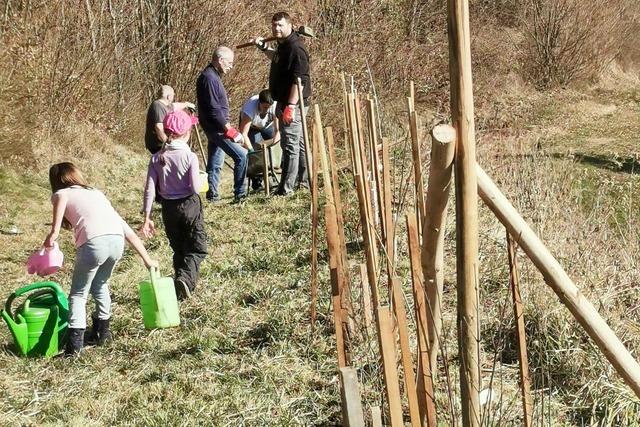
[{"x": 249, "y": 44}]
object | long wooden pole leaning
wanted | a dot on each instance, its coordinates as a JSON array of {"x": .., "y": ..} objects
[
  {"x": 305, "y": 131},
  {"x": 466, "y": 210},
  {"x": 313, "y": 182},
  {"x": 518, "y": 311},
  {"x": 554, "y": 275},
  {"x": 433, "y": 230},
  {"x": 388, "y": 208},
  {"x": 417, "y": 167},
  {"x": 426, "y": 395}
]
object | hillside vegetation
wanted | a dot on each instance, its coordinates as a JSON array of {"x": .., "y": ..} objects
[{"x": 562, "y": 144}]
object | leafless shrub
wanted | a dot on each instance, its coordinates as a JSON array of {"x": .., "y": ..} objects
[{"x": 567, "y": 41}]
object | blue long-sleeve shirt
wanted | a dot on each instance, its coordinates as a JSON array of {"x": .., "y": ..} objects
[{"x": 213, "y": 103}]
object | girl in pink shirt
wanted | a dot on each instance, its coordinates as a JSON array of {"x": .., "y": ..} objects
[{"x": 99, "y": 234}]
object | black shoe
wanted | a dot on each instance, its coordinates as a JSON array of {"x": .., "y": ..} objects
[
  {"x": 239, "y": 200},
  {"x": 75, "y": 342},
  {"x": 182, "y": 290},
  {"x": 99, "y": 334}
]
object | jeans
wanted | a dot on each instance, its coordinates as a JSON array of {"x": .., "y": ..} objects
[
  {"x": 184, "y": 225},
  {"x": 294, "y": 164},
  {"x": 95, "y": 261},
  {"x": 217, "y": 147},
  {"x": 256, "y": 136}
]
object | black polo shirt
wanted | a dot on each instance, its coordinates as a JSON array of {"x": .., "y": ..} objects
[{"x": 290, "y": 61}]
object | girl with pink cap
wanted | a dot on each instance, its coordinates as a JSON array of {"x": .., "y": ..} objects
[{"x": 173, "y": 174}]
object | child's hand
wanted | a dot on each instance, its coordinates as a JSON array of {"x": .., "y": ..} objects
[
  {"x": 151, "y": 263},
  {"x": 50, "y": 240},
  {"x": 148, "y": 228}
]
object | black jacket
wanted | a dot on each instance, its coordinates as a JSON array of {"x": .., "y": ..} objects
[{"x": 290, "y": 61}]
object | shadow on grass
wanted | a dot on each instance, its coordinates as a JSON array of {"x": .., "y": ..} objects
[{"x": 629, "y": 165}]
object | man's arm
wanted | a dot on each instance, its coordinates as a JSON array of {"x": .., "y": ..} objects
[{"x": 159, "y": 130}]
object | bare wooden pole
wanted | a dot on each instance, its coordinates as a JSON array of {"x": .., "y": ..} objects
[
  {"x": 363, "y": 159},
  {"x": 305, "y": 131},
  {"x": 388, "y": 208},
  {"x": 314, "y": 230},
  {"x": 518, "y": 311},
  {"x": 417, "y": 168},
  {"x": 466, "y": 209},
  {"x": 426, "y": 395},
  {"x": 265, "y": 169},
  {"x": 433, "y": 230},
  {"x": 569, "y": 294},
  {"x": 405, "y": 352},
  {"x": 385, "y": 325},
  {"x": 376, "y": 416},
  {"x": 375, "y": 165}
]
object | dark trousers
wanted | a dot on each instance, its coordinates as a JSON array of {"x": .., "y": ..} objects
[{"x": 184, "y": 225}]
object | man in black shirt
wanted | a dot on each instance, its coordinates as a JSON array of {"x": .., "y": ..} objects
[
  {"x": 289, "y": 61},
  {"x": 154, "y": 135}
]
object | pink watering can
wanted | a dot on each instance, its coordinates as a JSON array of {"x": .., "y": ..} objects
[{"x": 46, "y": 261}]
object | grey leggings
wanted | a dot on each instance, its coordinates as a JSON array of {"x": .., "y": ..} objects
[{"x": 95, "y": 261}]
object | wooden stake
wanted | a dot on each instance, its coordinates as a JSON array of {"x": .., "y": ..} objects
[
  {"x": 352, "y": 413},
  {"x": 518, "y": 311},
  {"x": 466, "y": 210},
  {"x": 364, "y": 164},
  {"x": 387, "y": 340},
  {"x": 388, "y": 208},
  {"x": 366, "y": 299},
  {"x": 433, "y": 230},
  {"x": 375, "y": 165},
  {"x": 417, "y": 168},
  {"x": 305, "y": 132},
  {"x": 333, "y": 245},
  {"x": 426, "y": 395},
  {"x": 314, "y": 230},
  {"x": 376, "y": 416},
  {"x": 338, "y": 200},
  {"x": 559, "y": 281},
  {"x": 405, "y": 352}
]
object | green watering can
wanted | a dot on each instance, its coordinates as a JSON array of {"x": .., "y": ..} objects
[
  {"x": 158, "y": 301},
  {"x": 39, "y": 324}
]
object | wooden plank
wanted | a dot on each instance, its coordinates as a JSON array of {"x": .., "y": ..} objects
[
  {"x": 352, "y": 413},
  {"x": 433, "y": 230},
  {"x": 388, "y": 350},
  {"x": 554, "y": 275},
  {"x": 405, "y": 352},
  {"x": 265, "y": 169},
  {"x": 518, "y": 311},
  {"x": 426, "y": 394},
  {"x": 375, "y": 165},
  {"x": 462, "y": 115},
  {"x": 388, "y": 208}
]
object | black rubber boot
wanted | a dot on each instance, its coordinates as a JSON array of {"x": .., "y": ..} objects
[
  {"x": 104, "y": 335},
  {"x": 99, "y": 333},
  {"x": 75, "y": 342}
]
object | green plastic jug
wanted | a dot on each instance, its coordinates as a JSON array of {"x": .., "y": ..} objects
[
  {"x": 158, "y": 301},
  {"x": 39, "y": 325}
]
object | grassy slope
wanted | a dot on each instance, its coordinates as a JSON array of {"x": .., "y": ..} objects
[{"x": 245, "y": 353}]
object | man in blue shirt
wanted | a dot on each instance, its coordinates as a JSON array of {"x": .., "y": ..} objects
[{"x": 223, "y": 138}]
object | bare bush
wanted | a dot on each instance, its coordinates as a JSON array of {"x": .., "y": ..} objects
[{"x": 567, "y": 41}]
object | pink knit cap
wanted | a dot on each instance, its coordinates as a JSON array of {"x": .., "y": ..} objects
[{"x": 179, "y": 122}]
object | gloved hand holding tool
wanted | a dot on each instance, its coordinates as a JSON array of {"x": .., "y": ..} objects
[
  {"x": 289, "y": 114},
  {"x": 233, "y": 134}
]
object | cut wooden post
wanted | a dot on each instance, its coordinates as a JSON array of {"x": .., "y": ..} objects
[
  {"x": 376, "y": 416},
  {"x": 405, "y": 352},
  {"x": 375, "y": 165},
  {"x": 559, "y": 281},
  {"x": 366, "y": 299},
  {"x": 314, "y": 230},
  {"x": 518, "y": 311},
  {"x": 426, "y": 395},
  {"x": 433, "y": 230},
  {"x": 352, "y": 413},
  {"x": 335, "y": 264},
  {"x": 466, "y": 209},
  {"x": 388, "y": 350}
]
